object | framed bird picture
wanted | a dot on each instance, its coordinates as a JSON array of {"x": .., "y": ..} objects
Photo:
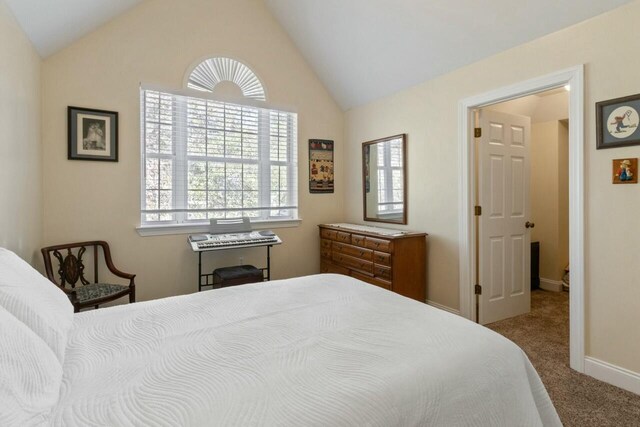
[
  {"x": 617, "y": 122},
  {"x": 93, "y": 134}
]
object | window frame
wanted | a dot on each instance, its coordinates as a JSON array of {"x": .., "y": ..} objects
[{"x": 180, "y": 157}]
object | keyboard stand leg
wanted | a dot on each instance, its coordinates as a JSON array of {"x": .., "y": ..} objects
[
  {"x": 268, "y": 263},
  {"x": 199, "y": 271}
]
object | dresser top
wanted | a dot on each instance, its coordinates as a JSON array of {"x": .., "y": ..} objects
[{"x": 389, "y": 233}]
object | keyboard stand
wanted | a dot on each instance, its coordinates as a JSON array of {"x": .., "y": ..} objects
[{"x": 208, "y": 277}]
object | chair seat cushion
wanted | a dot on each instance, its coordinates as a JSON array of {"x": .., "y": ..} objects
[{"x": 95, "y": 291}]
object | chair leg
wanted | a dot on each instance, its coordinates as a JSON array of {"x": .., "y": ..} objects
[
  {"x": 97, "y": 306},
  {"x": 132, "y": 295}
]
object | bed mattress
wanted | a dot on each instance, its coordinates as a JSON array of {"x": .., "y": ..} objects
[{"x": 324, "y": 350}]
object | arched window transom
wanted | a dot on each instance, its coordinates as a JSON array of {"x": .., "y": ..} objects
[{"x": 209, "y": 73}]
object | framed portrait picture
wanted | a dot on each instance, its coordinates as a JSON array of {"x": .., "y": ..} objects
[
  {"x": 625, "y": 171},
  {"x": 320, "y": 166},
  {"x": 93, "y": 134},
  {"x": 617, "y": 122}
]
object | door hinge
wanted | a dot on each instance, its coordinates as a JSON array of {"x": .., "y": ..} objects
[
  {"x": 477, "y": 132},
  {"x": 478, "y": 290},
  {"x": 477, "y": 210}
]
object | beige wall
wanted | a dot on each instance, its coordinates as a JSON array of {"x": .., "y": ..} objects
[
  {"x": 155, "y": 43},
  {"x": 549, "y": 196},
  {"x": 20, "y": 148},
  {"x": 428, "y": 113}
]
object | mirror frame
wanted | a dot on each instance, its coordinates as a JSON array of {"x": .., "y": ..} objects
[{"x": 404, "y": 179}]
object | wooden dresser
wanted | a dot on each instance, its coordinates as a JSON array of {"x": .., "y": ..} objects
[{"x": 397, "y": 263}]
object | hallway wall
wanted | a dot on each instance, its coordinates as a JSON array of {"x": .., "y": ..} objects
[{"x": 550, "y": 196}]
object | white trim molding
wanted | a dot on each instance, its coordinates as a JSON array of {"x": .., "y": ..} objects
[
  {"x": 444, "y": 307},
  {"x": 550, "y": 285},
  {"x": 574, "y": 77},
  {"x": 169, "y": 229},
  {"x": 612, "y": 374}
]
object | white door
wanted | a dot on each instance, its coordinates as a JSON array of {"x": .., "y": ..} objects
[{"x": 504, "y": 243}]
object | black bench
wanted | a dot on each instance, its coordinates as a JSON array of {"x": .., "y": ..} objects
[{"x": 236, "y": 275}]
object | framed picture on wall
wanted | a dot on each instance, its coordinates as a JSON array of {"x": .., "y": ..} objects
[
  {"x": 320, "y": 166},
  {"x": 625, "y": 171},
  {"x": 93, "y": 134},
  {"x": 617, "y": 122}
]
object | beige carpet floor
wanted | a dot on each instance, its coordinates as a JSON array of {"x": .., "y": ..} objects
[{"x": 580, "y": 400}]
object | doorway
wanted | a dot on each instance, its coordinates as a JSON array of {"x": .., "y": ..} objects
[
  {"x": 522, "y": 153},
  {"x": 469, "y": 227}
]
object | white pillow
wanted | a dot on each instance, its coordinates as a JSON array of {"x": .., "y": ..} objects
[
  {"x": 35, "y": 301},
  {"x": 30, "y": 375}
]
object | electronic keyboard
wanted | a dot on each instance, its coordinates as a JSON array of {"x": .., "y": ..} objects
[
  {"x": 231, "y": 234},
  {"x": 212, "y": 242}
]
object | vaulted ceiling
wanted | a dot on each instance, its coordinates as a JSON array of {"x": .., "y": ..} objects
[
  {"x": 54, "y": 24},
  {"x": 361, "y": 49},
  {"x": 365, "y": 49}
]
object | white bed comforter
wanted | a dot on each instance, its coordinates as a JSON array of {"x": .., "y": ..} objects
[{"x": 322, "y": 350}]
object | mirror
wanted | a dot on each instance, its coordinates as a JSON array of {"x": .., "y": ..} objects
[{"x": 384, "y": 179}]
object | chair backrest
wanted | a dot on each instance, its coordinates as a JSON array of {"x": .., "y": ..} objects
[{"x": 71, "y": 266}]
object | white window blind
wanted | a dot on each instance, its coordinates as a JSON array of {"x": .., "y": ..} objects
[{"x": 204, "y": 159}]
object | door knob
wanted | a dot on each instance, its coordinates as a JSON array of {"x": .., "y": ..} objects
[{"x": 529, "y": 224}]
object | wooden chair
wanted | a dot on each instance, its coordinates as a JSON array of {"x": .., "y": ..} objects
[{"x": 71, "y": 269}]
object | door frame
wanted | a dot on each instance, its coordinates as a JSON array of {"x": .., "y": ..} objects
[{"x": 467, "y": 228}]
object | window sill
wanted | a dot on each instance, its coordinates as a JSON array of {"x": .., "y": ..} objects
[{"x": 169, "y": 229}]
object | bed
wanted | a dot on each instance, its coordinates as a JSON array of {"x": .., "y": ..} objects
[{"x": 323, "y": 350}]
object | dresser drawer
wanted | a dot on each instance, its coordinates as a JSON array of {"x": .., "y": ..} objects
[
  {"x": 343, "y": 237},
  {"x": 327, "y": 267},
  {"x": 357, "y": 240},
  {"x": 377, "y": 244},
  {"x": 328, "y": 234},
  {"x": 325, "y": 244},
  {"x": 382, "y": 258},
  {"x": 325, "y": 253},
  {"x": 362, "y": 253},
  {"x": 382, "y": 271},
  {"x": 351, "y": 262},
  {"x": 372, "y": 280}
]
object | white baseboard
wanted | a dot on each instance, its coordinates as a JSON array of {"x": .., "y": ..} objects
[
  {"x": 443, "y": 307},
  {"x": 612, "y": 374},
  {"x": 550, "y": 285}
]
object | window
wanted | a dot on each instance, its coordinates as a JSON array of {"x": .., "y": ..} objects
[
  {"x": 390, "y": 178},
  {"x": 205, "y": 159},
  {"x": 208, "y": 74}
]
